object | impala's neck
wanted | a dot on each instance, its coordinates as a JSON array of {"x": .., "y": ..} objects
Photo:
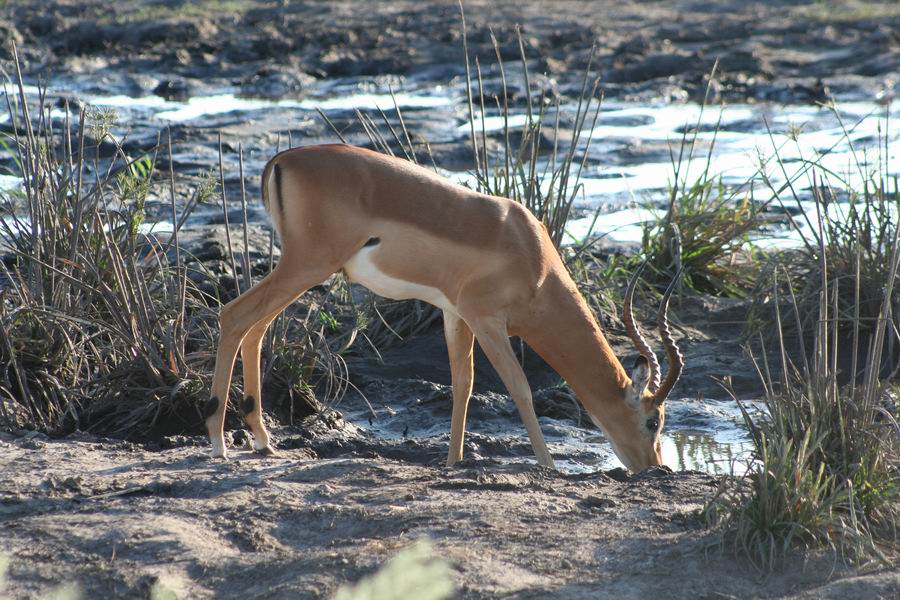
[{"x": 562, "y": 329}]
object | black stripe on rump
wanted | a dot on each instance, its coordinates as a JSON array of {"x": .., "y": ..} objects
[{"x": 277, "y": 169}]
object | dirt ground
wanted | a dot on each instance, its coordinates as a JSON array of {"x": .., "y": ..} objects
[{"x": 116, "y": 519}]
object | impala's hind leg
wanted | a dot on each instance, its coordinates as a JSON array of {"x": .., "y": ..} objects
[
  {"x": 252, "y": 403},
  {"x": 263, "y": 301},
  {"x": 460, "y": 343},
  {"x": 493, "y": 338}
]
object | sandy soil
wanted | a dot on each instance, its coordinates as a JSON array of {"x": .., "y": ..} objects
[{"x": 115, "y": 519}]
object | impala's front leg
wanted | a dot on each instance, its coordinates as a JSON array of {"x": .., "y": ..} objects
[
  {"x": 493, "y": 338},
  {"x": 460, "y": 343}
]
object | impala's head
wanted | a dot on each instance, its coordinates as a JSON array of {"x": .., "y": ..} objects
[{"x": 636, "y": 439}]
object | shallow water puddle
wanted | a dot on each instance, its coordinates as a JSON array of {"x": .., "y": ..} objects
[
  {"x": 700, "y": 435},
  {"x": 724, "y": 453}
]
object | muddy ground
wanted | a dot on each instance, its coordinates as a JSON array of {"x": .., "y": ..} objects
[
  {"x": 643, "y": 52},
  {"x": 344, "y": 495},
  {"x": 766, "y": 50}
]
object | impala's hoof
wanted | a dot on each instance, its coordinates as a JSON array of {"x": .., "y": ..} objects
[
  {"x": 218, "y": 449},
  {"x": 265, "y": 451}
]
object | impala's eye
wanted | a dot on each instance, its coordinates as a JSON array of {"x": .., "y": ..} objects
[{"x": 653, "y": 424}]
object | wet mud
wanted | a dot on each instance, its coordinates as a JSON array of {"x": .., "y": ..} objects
[{"x": 765, "y": 50}]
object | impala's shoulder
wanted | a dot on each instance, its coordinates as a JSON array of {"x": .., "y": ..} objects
[{"x": 516, "y": 212}]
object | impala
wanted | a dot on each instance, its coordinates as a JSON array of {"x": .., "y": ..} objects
[{"x": 404, "y": 232}]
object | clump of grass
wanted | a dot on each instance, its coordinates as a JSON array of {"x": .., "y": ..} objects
[
  {"x": 714, "y": 228},
  {"x": 847, "y": 234},
  {"x": 827, "y": 458},
  {"x": 103, "y": 324},
  {"x": 713, "y": 222},
  {"x": 98, "y": 325}
]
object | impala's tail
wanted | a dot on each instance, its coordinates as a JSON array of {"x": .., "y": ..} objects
[{"x": 271, "y": 169}]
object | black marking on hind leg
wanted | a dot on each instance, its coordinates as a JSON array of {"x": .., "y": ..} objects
[
  {"x": 210, "y": 408},
  {"x": 248, "y": 405},
  {"x": 373, "y": 241},
  {"x": 278, "y": 197}
]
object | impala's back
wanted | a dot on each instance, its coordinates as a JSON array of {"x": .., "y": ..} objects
[{"x": 392, "y": 226}]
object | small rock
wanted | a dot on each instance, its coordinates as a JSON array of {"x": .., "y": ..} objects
[
  {"x": 240, "y": 438},
  {"x": 172, "y": 89},
  {"x": 598, "y": 502},
  {"x": 210, "y": 250},
  {"x": 618, "y": 474}
]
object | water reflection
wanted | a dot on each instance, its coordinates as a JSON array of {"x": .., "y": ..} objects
[
  {"x": 696, "y": 451},
  {"x": 700, "y": 435}
]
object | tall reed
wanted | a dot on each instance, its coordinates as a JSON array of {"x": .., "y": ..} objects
[{"x": 844, "y": 227}]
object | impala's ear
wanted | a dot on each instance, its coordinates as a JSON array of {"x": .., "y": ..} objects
[{"x": 640, "y": 377}]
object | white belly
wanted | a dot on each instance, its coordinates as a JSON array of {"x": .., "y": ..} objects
[{"x": 360, "y": 269}]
